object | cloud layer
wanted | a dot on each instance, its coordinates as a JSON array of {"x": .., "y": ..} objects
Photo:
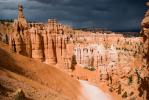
[{"x": 123, "y": 15}]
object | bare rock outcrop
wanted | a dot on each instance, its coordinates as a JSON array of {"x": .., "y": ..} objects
[{"x": 144, "y": 88}]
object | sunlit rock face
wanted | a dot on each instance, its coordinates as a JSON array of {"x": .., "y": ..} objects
[
  {"x": 54, "y": 43},
  {"x": 95, "y": 55},
  {"x": 43, "y": 42},
  {"x": 49, "y": 42}
]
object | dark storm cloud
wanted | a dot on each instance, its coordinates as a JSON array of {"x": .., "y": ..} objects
[{"x": 111, "y": 14}]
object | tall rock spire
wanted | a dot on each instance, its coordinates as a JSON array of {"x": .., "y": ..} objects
[
  {"x": 20, "y": 11},
  {"x": 21, "y": 17}
]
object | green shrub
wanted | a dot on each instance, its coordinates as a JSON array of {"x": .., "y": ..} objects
[{"x": 130, "y": 80}]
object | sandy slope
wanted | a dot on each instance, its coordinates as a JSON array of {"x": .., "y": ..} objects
[
  {"x": 35, "y": 73},
  {"x": 10, "y": 82}
]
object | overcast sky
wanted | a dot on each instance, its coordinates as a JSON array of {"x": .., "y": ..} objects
[{"x": 124, "y": 15}]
